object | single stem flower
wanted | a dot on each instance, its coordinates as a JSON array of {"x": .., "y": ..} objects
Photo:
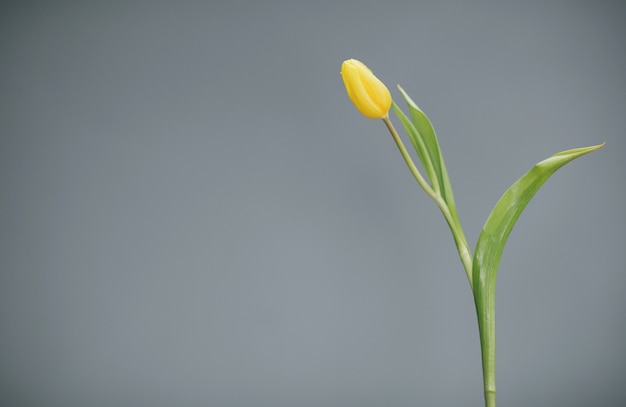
[{"x": 373, "y": 100}]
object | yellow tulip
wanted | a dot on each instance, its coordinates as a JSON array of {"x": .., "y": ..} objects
[{"x": 370, "y": 96}]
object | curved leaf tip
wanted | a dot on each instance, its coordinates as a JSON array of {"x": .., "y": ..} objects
[{"x": 508, "y": 209}]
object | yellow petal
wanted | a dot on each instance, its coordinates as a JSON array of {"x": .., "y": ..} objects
[{"x": 370, "y": 96}]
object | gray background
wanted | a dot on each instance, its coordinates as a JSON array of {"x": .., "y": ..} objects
[{"x": 193, "y": 213}]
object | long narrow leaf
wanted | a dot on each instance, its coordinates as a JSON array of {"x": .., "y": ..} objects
[
  {"x": 427, "y": 133},
  {"x": 508, "y": 209},
  {"x": 418, "y": 145},
  {"x": 491, "y": 244}
]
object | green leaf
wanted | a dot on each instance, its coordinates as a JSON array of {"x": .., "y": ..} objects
[
  {"x": 424, "y": 140},
  {"x": 508, "y": 209},
  {"x": 491, "y": 244},
  {"x": 427, "y": 134},
  {"x": 418, "y": 145}
]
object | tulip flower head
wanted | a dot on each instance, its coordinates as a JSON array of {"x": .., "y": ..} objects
[{"x": 370, "y": 96}]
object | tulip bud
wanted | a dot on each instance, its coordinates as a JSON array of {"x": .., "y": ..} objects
[{"x": 370, "y": 96}]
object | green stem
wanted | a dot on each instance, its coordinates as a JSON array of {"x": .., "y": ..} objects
[
  {"x": 459, "y": 237},
  {"x": 485, "y": 311},
  {"x": 409, "y": 161}
]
